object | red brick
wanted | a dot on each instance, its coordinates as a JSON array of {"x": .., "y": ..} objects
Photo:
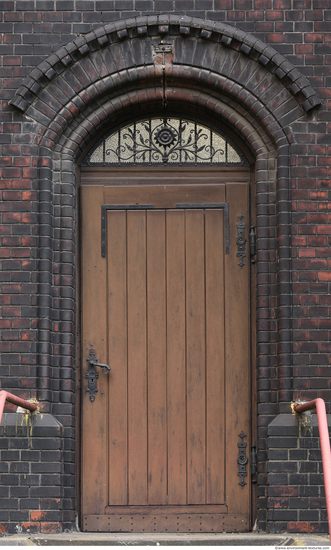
[
  {"x": 28, "y": 335},
  {"x": 303, "y": 48},
  {"x": 324, "y": 276},
  {"x": 11, "y": 218},
  {"x": 22, "y": 161},
  {"x": 307, "y": 253},
  {"x": 27, "y": 218},
  {"x": 318, "y": 264},
  {"x": 317, "y": 218},
  {"x": 21, "y": 253},
  {"x": 275, "y": 38},
  {"x": 299, "y": 241},
  {"x": 299, "y": 194},
  {"x": 313, "y": 37},
  {"x": 318, "y": 195},
  {"x": 275, "y": 15},
  {"x": 324, "y": 229},
  {"x": 21, "y": 184},
  {"x": 315, "y": 241},
  {"x": 324, "y": 183},
  {"x": 37, "y": 515},
  {"x": 29, "y": 195},
  {"x": 11, "y": 311},
  {"x": 298, "y": 526}
]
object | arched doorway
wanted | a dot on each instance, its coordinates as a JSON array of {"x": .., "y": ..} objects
[
  {"x": 128, "y": 69},
  {"x": 166, "y": 433}
]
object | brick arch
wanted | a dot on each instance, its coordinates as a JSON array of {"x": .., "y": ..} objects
[
  {"x": 266, "y": 139},
  {"x": 119, "y": 71},
  {"x": 218, "y": 36}
]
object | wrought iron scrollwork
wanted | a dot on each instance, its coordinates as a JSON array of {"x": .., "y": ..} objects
[
  {"x": 242, "y": 459},
  {"x": 168, "y": 141},
  {"x": 241, "y": 240},
  {"x": 185, "y": 143}
]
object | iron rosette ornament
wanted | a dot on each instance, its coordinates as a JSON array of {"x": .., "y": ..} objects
[{"x": 167, "y": 143}]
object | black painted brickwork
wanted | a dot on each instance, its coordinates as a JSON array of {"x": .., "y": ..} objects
[
  {"x": 31, "y": 474},
  {"x": 296, "y": 496}
]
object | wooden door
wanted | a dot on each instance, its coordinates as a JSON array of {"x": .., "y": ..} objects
[{"x": 165, "y": 303}]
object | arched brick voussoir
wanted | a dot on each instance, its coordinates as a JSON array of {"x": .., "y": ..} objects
[
  {"x": 130, "y": 41},
  {"x": 79, "y": 135},
  {"x": 143, "y": 85}
]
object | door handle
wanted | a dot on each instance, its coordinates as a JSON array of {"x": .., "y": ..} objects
[{"x": 92, "y": 373}]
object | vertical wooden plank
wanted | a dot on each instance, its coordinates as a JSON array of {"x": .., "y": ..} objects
[
  {"x": 156, "y": 345},
  {"x": 195, "y": 362},
  {"x": 176, "y": 371},
  {"x": 215, "y": 394},
  {"x": 137, "y": 371},
  {"x": 94, "y": 323},
  {"x": 117, "y": 342},
  {"x": 237, "y": 338}
]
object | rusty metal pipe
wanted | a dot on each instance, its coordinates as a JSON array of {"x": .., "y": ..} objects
[
  {"x": 319, "y": 405},
  {"x": 6, "y": 396}
]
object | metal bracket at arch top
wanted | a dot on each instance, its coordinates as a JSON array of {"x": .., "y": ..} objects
[{"x": 224, "y": 206}]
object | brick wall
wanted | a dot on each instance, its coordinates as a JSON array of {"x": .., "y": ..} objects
[
  {"x": 30, "y": 32},
  {"x": 31, "y": 466},
  {"x": 296, "y": 496}
]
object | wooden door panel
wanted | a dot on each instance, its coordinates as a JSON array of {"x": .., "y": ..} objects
[
  {"x": 215, "y": 345},
  {"x": 117, "y": 353},
  {"x": 195, "y": 356},
  {"x": 137, "y": 355},
  {"x": 156, "y": 358},
  {"x": 175, "y": 310},
  {"x": 176, "y": 357}
]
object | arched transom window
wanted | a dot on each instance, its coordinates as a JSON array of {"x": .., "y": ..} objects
[{"x": 165, "y": 141}]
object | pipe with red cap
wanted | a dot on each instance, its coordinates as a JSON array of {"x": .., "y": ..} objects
[
  {"x": 6, "y": 396},
  {"x": 319, "y": 405}
]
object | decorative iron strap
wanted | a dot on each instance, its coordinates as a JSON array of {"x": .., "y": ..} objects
[
  {"x": 241, "y": 240},
  {"x": 242, "y": 459}
]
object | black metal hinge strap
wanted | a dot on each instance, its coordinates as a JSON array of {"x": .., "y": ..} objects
[
  {"x": 242, "y": 459},
  {"x": 105, "y": 208},
  {"x": 241, "y": 240},
  {"x": 224, "y": 206}
]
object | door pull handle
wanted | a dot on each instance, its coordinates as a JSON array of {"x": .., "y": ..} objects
[{"x": 92, "y": 373}]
